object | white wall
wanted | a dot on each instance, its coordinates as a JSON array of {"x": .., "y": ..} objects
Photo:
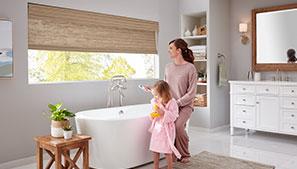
[
  {"x": 240, "y": 11},
  {"x": 199, "y": 118},
  {"x": 218, "y": 23},
  {"x": 169, "y": 29},
  {"x": 22, "y": 105},
  {"x": 218, "y": 42},
  {"x": 193, "y": 6}
]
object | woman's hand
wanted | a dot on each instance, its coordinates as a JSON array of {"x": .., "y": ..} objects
[
  {"x": 147, "y": 88},
  {"x": 193, "y": 102}
]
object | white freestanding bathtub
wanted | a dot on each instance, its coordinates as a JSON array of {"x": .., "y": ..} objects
[{"x": 119, "y": 140}]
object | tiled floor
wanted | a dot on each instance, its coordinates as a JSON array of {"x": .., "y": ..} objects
[{"x": 267, "y": 148}]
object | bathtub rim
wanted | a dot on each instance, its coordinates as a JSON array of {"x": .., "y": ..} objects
[{"x": 80, "y": 114}]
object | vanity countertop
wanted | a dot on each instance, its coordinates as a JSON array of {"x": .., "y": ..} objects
[{"x": 286, "y": 83}]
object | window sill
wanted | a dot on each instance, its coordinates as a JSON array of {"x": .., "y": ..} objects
[{"x": 87, "y": 81}]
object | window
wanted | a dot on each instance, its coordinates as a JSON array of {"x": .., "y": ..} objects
[
  {"x": 62, "y": 66},
  {"x": 73, "y": 45}
]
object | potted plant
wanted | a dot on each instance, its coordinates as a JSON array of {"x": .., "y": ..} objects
[
  {"x": 60, "y": 119},
  {"x": 201, "y": 76},
  {"x": 67, "y": 132}
]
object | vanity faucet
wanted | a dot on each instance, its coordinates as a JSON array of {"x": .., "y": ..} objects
[{"x": 279, "y": 75}]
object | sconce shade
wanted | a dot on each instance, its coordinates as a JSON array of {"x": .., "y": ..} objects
[{"x": 243, "y": 27}]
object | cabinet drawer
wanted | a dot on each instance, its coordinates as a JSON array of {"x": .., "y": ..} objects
[
  {"x": 289, "y": 116},
  {"x": 244, "y": 99},
  {"x": 288, "y": 91},
  {"x": 245, "y": 112},
  {"x": 244, "y": 123},
  {"x": 289, "y": 128},
  {"x": 267, "y": 90},
  {"x": 290, "y": 103},
  {"x": 242, "y": 89}
]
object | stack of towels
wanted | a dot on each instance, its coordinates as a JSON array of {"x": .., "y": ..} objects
[{"x": 199, "y": 50}]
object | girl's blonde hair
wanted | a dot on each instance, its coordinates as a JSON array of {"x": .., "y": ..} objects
[{"x": 163, "y": 89}]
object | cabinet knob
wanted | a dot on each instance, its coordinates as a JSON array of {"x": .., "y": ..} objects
[
  {"x": 292, "y": 127},
  {"x": 243, "y": 88},
  {"x": 292, "y": 91},
  {"x": 244, "y": 111},
  {"x": 244, "y": 100},
  {"x": 257, "y": 102},
  {"x": 292, "y": 115},
  {"x": 292, "y": 103},
  {"x": 267, "y": 90},
  {"x": 243, "y": 121}
]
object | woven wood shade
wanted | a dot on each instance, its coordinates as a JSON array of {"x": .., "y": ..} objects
[{"x": 54, "y": 28}]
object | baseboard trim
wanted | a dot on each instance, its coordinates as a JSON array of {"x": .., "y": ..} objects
[
  {"x": 203, "y": 129},
  {"x": 18, "y": 163},
  {"x": 22, "y": 162},
  {"x": 221, "y": 128}
]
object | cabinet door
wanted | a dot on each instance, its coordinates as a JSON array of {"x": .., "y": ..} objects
[{"x": 267, "y": 110}]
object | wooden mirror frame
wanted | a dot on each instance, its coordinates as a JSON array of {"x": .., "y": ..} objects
[{"x": 268, "y": 67}]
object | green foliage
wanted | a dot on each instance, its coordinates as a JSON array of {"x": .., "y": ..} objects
[
  {"x": 58, "y": 114},
  {"x": 59, "y": 66},
  {"x": 201, "y": 72},
  {"x": 67, "y": 128},
  {"x": 119, "y": 66},
  {"x": 71, "y": 66}
]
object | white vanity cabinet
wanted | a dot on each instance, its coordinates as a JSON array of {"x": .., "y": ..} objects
[
  {"x": 264, "y": 106},
  {"x": 267, "y": 112}
]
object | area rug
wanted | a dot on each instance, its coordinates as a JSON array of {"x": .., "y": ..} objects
[{"x": 207, "y": 160}]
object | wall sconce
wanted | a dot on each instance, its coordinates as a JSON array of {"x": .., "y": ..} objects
[{"x": 243, "y": 29}]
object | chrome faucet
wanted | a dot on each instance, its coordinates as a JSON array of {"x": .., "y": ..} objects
[
  {"x": 117, "y": 84},
  {"x": 279, "y": 76}
]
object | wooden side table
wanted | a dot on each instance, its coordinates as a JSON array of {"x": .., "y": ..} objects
[{"x": 58, "y": 147}]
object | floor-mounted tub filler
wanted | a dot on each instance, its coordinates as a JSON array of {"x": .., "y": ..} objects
[{"x": 120, "y": 137}]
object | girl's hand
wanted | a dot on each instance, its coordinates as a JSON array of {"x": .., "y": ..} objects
[{"x": 159, "y": 110}]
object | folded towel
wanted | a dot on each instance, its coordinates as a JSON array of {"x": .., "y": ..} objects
[{"x": 198, "y": 47}]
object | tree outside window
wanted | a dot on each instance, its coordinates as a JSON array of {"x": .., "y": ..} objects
[{"x": 61, "y": 66}]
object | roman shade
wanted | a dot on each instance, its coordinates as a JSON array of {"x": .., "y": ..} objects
[{"x": 63, "y": 29}]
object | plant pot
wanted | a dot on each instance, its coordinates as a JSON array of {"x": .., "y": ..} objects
[
  {"x": 188, "y": 33},
  {"x": 57, "y": 128},
  {"x": 67, "y": 134}
]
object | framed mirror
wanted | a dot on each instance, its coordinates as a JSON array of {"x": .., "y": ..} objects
[
  {"x": 6, "y": 57},
  {"x": 274, "y": 38}
]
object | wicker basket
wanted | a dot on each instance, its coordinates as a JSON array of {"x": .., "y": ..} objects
[
  {"x": 202, "y": 30},
  {"x": 201, "y": 100}
]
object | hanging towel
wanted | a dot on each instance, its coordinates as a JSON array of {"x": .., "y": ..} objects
[{"x": 222, "y": 72}]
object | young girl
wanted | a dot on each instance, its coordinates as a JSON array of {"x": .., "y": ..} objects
[{"x": 163, "y": 127}]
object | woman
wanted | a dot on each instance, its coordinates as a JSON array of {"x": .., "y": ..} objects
[{"x": 181, "y": 76}]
